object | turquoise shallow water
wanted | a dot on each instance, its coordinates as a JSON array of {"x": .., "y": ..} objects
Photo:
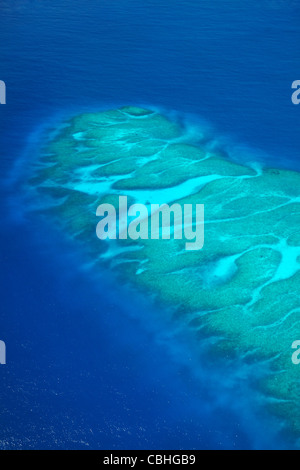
[
  {"x": 67, "y": 383},
  {"x": 194, "y": 355}
]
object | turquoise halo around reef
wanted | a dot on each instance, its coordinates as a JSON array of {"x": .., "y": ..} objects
[{"x": 242, "y": 287}]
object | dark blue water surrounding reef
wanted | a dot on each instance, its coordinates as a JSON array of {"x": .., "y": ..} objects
[{"x": 90, "y": 365}]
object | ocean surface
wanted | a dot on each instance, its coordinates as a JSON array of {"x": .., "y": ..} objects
[{"x": 91, "y": 364}]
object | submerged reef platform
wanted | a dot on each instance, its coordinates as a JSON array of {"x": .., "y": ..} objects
[{"x": 243, "y": 287}]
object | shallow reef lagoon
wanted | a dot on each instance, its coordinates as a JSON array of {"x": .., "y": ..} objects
[{"x": 98, "y": 356}]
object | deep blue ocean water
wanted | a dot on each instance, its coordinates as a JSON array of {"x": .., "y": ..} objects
[{"x": 90, "y": 365}]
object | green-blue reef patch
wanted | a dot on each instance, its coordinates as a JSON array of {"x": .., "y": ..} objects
[{"x": 242, "y": 287}]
